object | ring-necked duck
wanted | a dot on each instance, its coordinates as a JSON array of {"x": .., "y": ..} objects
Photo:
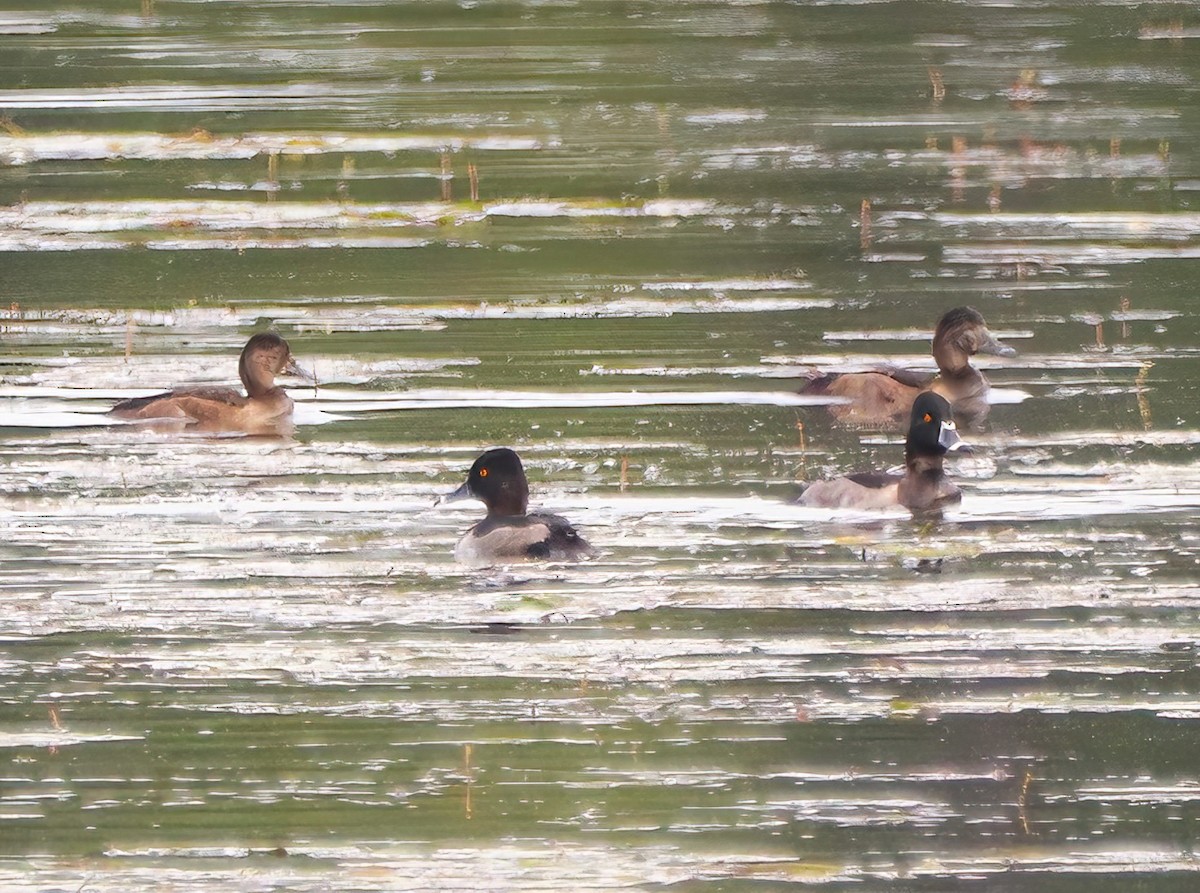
[
  {"x": 509, "y": 533},
  {"x": 884, "y": 398},
  {"x": 923, "y": 488},
  {"x": 263, "y": 409}
]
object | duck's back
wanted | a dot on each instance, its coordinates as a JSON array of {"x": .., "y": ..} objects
[
  {"x": 197, "y": 404},
  {"x": 869, "y": 490},
  {"x": 538, "y": 535},
  {"x": 210, "y": 409},
  {"x": 875, "y": 397}
]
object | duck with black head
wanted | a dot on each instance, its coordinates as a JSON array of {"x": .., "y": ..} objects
[
  {"x": 923, "y": 488},
  {"x": 510, "y": 532},
  {"x": 265, "y": 408},
  {"x": 884, "y": 398}
]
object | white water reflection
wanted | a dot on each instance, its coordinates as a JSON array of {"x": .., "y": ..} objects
[
  {"x": 1151, "y": 490},
  {"x": 369, "y": 869},
  {"x": 37, "y": 408},
  {"x": 216, "y": 216},
  {"x": 19, "y": 149}
]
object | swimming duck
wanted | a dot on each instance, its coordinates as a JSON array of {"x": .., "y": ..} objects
[
  {"x": 923, "y": 488},
  {"x": 885, "y": 398},
  {"x": 510, "y": 533},
  {"x": 264, "y": 409}
]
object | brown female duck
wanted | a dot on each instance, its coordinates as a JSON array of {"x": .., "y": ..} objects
[
  {"x": 885, "y": 398},
  {"x": 265, "y": 408},
  {"x": 923, "y": 488},
  {"x": 510, "y": 533}
]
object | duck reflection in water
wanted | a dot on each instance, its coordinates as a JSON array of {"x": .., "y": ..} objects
[{"x": 265, "y": 408}]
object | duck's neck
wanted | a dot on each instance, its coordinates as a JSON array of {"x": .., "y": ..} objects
[
  {"x": 510, "y": 502},
  {"x": 927, "y": 467},
  {"x": 953, "y": 361},
  {"x": 957, "y": 379},
  {"x": 258, "y": 382},
  {"x": 922, "y": 489}
]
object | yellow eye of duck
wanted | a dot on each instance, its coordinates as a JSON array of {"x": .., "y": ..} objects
[
  {"x": 483, "y": 472},
  {"x": 928, "y": 417}
]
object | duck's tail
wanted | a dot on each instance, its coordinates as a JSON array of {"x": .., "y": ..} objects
[{"x": 817, "y": 383}]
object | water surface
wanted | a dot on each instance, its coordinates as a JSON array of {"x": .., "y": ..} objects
[{"x": 618, "y": 237}]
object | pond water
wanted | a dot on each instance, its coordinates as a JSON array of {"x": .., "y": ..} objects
[{"x": 616, "y": 236}]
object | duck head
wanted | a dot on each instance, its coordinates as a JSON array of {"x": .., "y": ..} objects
[
  {"x": 497, "y": 479},
  {"x": 265, "y": 356},
  {"x": 931, "y": 430},
  {"x": 961, "y": 333}
]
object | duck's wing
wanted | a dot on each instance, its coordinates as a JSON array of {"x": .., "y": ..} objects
[
  {"x": 828, "y": 382},
  {"x": 874, "y": 480},
  {"x": 872, "y": 398},
  {"x": 540, "y": 535},
  {"x": 868, "y": 490},
  {"x": 198, "y": 404},
  {"x": 913, "y": 378},
  {"x": 136, "y": 404},
  {"x": 562, "y": 540},
  {"x": 214, "y": 394}
]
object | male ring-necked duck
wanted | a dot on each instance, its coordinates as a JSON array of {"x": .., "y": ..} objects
[
  {"x": 264, "y": 409},
  {"x": 885, "y": 397},
  {"x": 923, "y": 488},
  {"x": 509, "y": 533}
]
